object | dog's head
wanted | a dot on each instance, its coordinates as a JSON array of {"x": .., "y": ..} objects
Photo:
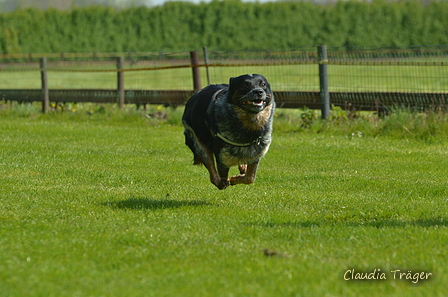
[{"x": 252, "y": 93}]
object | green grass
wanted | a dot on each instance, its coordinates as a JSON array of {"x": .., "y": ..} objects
[{"x": 101, "y": 202}]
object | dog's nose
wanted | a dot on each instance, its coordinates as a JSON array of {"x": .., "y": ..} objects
[{"x": 258, "y": 92}]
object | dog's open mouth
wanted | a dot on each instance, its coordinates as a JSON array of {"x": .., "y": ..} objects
[{"x": 256, "y": 102}]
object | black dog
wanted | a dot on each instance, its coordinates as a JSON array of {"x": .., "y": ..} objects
[{"x": 232, "y": 124}]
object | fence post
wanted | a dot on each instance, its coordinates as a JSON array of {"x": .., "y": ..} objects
[
  {"x": 323, "y": 81},
  {"x": 44, "y": 79},
  {"x": 196, "y": 71},
  {"x": 120, "y": 81},
  {"x": 206, "y": 64}
]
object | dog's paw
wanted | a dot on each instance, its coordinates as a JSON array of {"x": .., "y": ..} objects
[
  {"x": 222, "y": 184},
  {"x": 242, "y": 179},
  {"x": 238, "y": 179},
  {"x": 242, "y": 169}
]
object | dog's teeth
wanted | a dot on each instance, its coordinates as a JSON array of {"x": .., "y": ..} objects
[{"x": 254, "y": 102}]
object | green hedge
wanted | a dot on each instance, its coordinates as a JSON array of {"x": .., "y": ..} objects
[{"x": 179, "y": 26}]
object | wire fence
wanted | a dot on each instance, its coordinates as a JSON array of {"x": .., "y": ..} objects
[{"x": 358, "y": 78}]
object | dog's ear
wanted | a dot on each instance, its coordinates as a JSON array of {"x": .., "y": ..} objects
[{"x": 232, "y": 86}]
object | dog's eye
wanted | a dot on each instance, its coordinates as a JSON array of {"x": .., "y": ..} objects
[
  {"x": 246, "y": 85},
  {"x": 263, "y": 85}
]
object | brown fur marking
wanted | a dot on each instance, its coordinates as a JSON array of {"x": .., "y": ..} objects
[{"x": 253, "y": 122}]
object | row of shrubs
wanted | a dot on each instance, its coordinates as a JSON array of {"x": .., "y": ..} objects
[
  {"x": 180, "y": 26},
  {"x": 430, "y": 126}
]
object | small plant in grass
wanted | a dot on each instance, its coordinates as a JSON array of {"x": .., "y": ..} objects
[
  {"x": 308, "y": 117},
  {"x": 338, "y": 115}
]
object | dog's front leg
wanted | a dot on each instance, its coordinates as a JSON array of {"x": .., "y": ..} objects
[
  {"x": 217, "y": 177},
  {"x": 223, "y": 171},
  {"x": 248, "y": 177}
]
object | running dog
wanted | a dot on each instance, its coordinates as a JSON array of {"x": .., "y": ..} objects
[{"x": 232, "y": 124}]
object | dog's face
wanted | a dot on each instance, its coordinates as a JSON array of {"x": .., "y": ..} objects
[{"x": 252, "y": 93}]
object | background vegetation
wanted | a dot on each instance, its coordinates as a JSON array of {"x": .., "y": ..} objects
[{"x": 225, "y": 25}]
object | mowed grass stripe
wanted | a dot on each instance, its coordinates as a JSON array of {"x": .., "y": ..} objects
[{"x": 112, "y": 206}]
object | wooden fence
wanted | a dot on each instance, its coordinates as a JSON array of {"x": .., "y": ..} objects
[{"x": 322, "y": 98}]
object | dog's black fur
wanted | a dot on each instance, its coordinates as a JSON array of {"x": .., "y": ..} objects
[{"x": 232, "y": 124}]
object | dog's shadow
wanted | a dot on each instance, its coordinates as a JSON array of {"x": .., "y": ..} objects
[
  {"x": 385, "y": 223},
  {"x": 154, "y": 204}
]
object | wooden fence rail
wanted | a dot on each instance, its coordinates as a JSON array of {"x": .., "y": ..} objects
[{"x": 322, "y": 99}]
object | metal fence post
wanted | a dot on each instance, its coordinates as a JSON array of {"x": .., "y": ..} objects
[
  {"x": 196, "y": 71},
  {"x": 44, "y": 79},
  {"x": 120, "y": 81},
  {"x": 323, "y": 81}
]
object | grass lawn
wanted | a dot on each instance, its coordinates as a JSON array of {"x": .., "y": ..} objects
[{"x": 108, "y": 204}]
